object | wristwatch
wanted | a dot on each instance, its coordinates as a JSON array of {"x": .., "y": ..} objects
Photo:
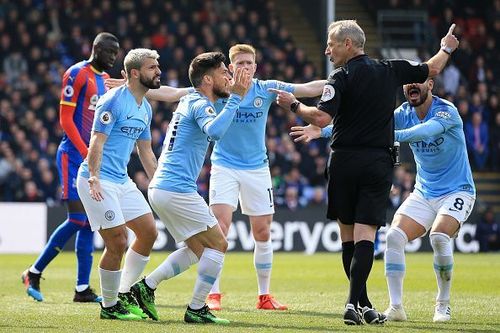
[{"x": 294, "y": 106}]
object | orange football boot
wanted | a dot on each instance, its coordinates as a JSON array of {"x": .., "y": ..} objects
[
  {"x": 213, "y": 302},
  {"x": 268, "y": 302}
]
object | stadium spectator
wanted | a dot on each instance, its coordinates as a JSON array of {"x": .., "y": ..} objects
[
  {"x": 495, "y": 143},
  {"x": 477, "y": 137},
  {"x": 488, "y": 232},
  {"x": 57, "y": 41}
]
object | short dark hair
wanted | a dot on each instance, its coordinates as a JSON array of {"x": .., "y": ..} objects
[
  {"x": 104, "y": 36},
  {"x": 202, "y": 64}
]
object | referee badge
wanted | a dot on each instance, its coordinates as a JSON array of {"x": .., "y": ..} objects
[
  {"x": 328, "y": 93},
  {"x": 105, "y": 117}
]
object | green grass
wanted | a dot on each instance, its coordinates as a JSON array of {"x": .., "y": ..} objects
[{"x": 314, "y": 287}]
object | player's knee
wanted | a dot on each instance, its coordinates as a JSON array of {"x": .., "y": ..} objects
[
  {"x": 147, "y": 234},
  {"x": 261, "y": 231},
  {"x": 396, "y": 238},
  {"x": 440, "y": 242},
  {"x": 117, "y": 245}
]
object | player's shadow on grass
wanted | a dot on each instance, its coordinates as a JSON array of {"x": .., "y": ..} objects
[
  {"x": 250, "y": 310},
  {"x": 27, "y": 327},
  {"x": 315, "y": 314},
  {"x": 441, "y": 327},
  {"x": 236, "y": 324}
]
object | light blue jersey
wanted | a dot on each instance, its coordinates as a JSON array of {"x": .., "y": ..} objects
[
  {"x": 194, "y": 124},
  {"x": 243, "y": 147},
  {"x": 124, "y": 122},
  {"x": 438, "y": 145}
]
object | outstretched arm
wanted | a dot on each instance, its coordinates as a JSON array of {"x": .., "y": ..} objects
[
  {"x": 164, "y": 93},
  {"x": 418, "y": 132},
  {"x": 309, "y": 114},
  {"x": 309, "y": 89},
  {"x": 168, "y": 94}
]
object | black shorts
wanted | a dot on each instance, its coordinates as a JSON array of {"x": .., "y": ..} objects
[{"x": 359, "y": 183}]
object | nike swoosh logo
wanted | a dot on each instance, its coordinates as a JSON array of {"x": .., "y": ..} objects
[
  {"x": 128, "y": 117},
  {"x": 453, "y": 210}
]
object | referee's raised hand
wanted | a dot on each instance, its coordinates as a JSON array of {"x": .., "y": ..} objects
[{"x": 449, "y": 42}]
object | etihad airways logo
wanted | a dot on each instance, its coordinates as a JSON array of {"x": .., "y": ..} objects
[
  {"x": 247, "y": 117},
  {"x": 427, "y": 147}
]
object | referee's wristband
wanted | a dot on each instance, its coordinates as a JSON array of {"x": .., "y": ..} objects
[
  {"x": 294, "y": 106},
  {"x": 446, "y": 49}
]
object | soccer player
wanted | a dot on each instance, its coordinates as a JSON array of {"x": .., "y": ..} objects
[
  {"x": 444, "y": 191},
  {"x": 173, "y": 190},
  {"x": 240, "y": 168},
  {"x": 83, "y": 84},
  {"x": 443, "y": 197},
  {"x": 111, "y": 200}
]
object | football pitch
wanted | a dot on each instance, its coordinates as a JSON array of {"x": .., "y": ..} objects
[{"x": 314, "y": 287}]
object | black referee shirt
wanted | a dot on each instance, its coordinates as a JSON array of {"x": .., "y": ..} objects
[{"x": 361, "y": 98}]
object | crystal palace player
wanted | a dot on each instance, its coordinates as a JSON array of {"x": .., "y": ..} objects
[{"x": 83, "y": 84}]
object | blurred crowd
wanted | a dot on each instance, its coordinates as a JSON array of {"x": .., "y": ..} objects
[{"x": 40, "y": 39}]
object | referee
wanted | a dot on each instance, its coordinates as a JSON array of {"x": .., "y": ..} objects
[{"x": 359, "y": 98}]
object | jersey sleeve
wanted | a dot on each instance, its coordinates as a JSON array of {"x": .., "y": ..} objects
[
  {"x": 105, "y": 116},
  {"x": 399, "y": 117},
  {"x": 407, "y": 71},
  {"x": 332, "y": 93},
  {"x": 73, "y": 81},
  {"x": 275, "y": 84},
  {"x": 217, "y": 126},
  {"x": 203, "y": 112},
  {"x": 447, "y": 116}
]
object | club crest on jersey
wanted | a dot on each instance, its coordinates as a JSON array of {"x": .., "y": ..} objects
[
  {"x": 109, "y": 215},
  {"x": 68, "y": 91},
  {"x": 328, "y": 93},
  {"x": 257, "y": 102},
  {"x": 443, "y": 114},
  {"x": 146, "y": 118},
  {"x": 105, "y": 117},
  {"x": 209, "y": 110}
]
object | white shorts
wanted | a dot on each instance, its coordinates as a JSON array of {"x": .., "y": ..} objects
[
  {"x": 253, "y": 188},
  {"x": 122, "y": 203},
  {"x": 457, "y": 205},
  {"x": 184, "y": 214}
]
